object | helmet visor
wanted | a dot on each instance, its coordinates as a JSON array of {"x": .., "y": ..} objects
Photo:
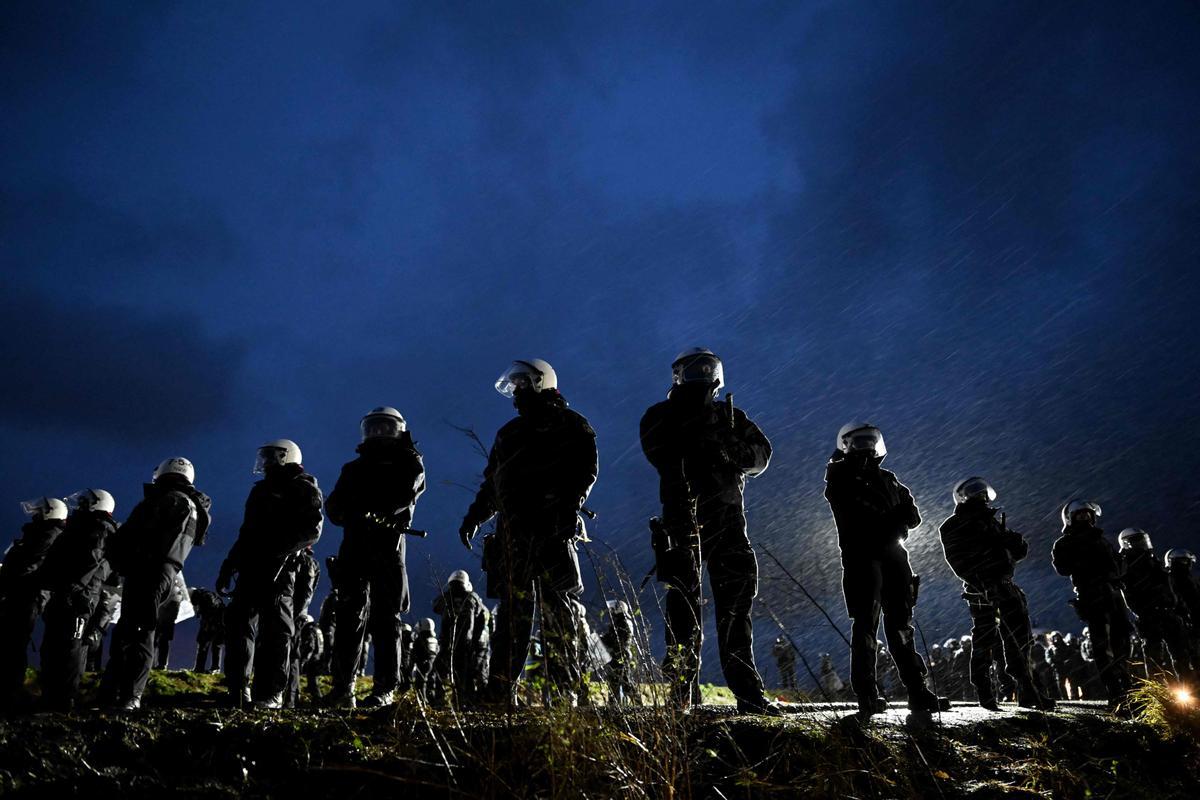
[
  {"x": 519, "y": 376},
  {"x": 34, "y": 507},
  {"x": 865, "y": 440},
  {"x": 381, "y": 427},
  {"x": 268, "y": 457},
  {"x": 705, "y": 369}
]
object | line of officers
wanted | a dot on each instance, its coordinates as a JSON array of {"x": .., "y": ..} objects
[{"x": 540, "y": 471}]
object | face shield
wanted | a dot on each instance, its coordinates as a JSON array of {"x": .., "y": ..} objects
[
  {"x": 1133, "y": 539},
  {"x": 867, "y": 439},
  {"x": 45, "y": 508},
  {"x": 1079, "y": 510},
  {"x": 519, "y": 376},
  {"x": 704, "y": 368},
  {"x": 974, "y": 489},
  {"x": 269, "y": 457},
  {"x": 379, "y": 426}
]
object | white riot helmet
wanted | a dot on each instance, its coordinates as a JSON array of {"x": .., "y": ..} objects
[
  {"x": 383, "y": 422},
  {"x": 425, "y": 625},
  {"x": 1078, "y": 506},
  {"x": 618, "y": 608},
  {"x": 278, "y": 453},
  {"x": 45, "y": 508},
  {"x": 92, "y": 500},
  {"x": 974, "y": 489},
  {"x": 460, "y": 576},
  {"x": 861, "y": 436},
  {"x": 176, "y": 466},
  {"x": 1179, "y": 555},
  {"x": 533, "y": 374},
  {"x": 1134, "y": 539},
  {"x": 698, "y": 365},
  {"x": 306, "y": 619}
]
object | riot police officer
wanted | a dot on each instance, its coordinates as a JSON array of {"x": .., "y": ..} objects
[
  {"x": 283, "y": 517},
  {"x": 425, "y": 652},
  {"x": 1096, "y": 570},
  {"x": 618, "y": 639},
  {"x": 210, "y": 609},
  {"x": 21, "y": 595},
  {"x": 874, "y": 512},
  {"x": 703, "y": 453},
  {"x": 462, "y": 662},
  {"x": 1179, "y": 563},
  {"x": 540, "y": 470},
  {"x": 74, "y": 570},
  {"x": 785, "y": 661},
  {"x": 983, "y": 552},
  {"x": 373, "y": 502},
  {"x": 1150, "y": 596},
  {"x": 149, "y": 550}
]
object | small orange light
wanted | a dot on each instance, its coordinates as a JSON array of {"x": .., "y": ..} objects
[{"x": 1183, "y": 696}]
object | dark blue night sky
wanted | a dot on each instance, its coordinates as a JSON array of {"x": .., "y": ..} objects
[{"x": 977, "y": 225}]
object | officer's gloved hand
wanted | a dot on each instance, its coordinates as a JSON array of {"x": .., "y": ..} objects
[
  {"x": 467, "y": 532},
  {"x": 223, "y": 581}
]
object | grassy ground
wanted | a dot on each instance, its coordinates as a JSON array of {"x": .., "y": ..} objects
[{"x": 185, "y": 744}]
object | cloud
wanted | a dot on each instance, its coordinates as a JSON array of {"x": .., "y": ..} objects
[{"x": 111, "y": 371}]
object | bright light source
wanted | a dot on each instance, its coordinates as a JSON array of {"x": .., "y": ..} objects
[{"x": 1182, "y": 696}]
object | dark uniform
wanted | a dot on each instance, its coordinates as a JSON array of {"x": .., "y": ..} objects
[
  {"x": 619, "y": 639},
  {"x": 74, "y": 570},
  {"x": 785, "y": 660},
  {"x": 1159, "y": 624},
  {"x": 1095, "y": 569},
  {"x": 983, "y": 553},
  {"x": 22, "y": 600},
  {"x": 424, "y": 658},
  {"x": 310, "y": 647},
  {"x": 210, "y": 608},
  {"x": 703, "y": 459},
  {"x": 464, "y": 645},
  {"x": 283, "y": 517},
  {"x": 373, "y": 502},
  {"x": 306, "y": 572},
  {"x": 102, "y": 617},
  {"x": 540, "y": 470},
  {"x": 327, "y": 620},
  {"x": 164, "y": 633},
  {"x": 874, "y": 513},
  {"x": 148, "y": 551}
]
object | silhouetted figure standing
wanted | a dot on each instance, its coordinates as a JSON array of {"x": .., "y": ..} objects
[
  {"x": 22, "y": 597},
  {"x": 540, "y": 470},
  {"x": 618, "y": 638},
  {"x": 983, "y": 552},
  {"x": 373, "y": 502},
  {"x": 874, "y": 513},
  {"x": 210, "y": 609},
  {"x": 704, "y": 452},
  {"x": 283, "y": 516},
  {"x": 463, "y": 650},
  {"x": 74, "y": 569},
  {"x": 785, "y": 661},
  {"x": 168, "y": 613},
  {"x": 1096, "y": 570},
  {"x": 1150, "y": 596}
]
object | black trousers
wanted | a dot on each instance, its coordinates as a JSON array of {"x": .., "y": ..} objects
[
  {"x": 146, "y": 593},
  {"x": 787, "y": 674},
  {"x": 259, "y": 628},
  {"x": 1000, "y": 632},
  {"x": 882, "y": 582},
  {"x": 514, "y": 631},
  {"x": 372, "y": 595},
  {"x": 19, "y": 611},
  {"x": 203, "y": 647},
  {"x": 63, "y": 655},
  {"x": 733, "y": 580},
  {"x": 1108, "y": 622},
  {"x": 1163, "y": 628}
]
